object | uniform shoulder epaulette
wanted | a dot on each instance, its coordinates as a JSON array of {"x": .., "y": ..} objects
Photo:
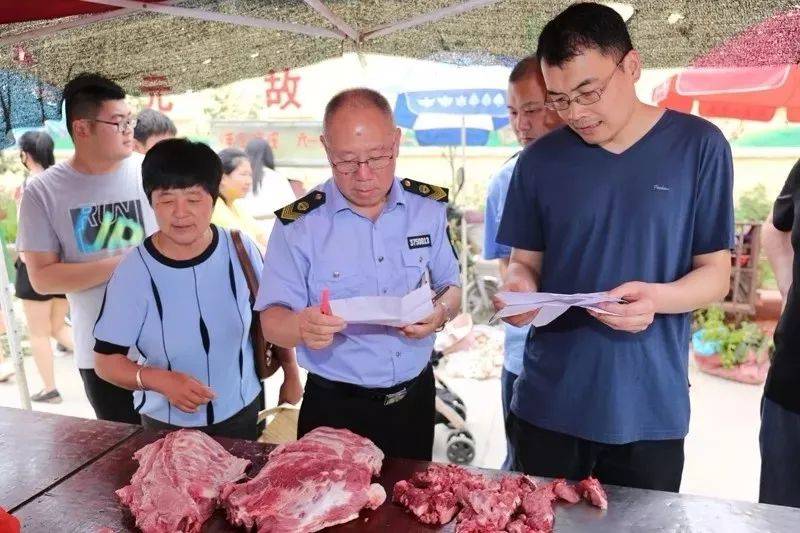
[
  {"x": 298, "y": 208},
  {"x": 434, "y": 192}
]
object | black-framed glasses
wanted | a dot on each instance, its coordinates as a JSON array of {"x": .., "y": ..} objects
[
  {"x": 122, "y": 126},
  {"x": 374, "y": 163},
  {"x": 562, "y": 103}
]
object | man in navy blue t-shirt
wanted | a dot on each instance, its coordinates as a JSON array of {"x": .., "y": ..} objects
[{"x": 630, "y": 199}]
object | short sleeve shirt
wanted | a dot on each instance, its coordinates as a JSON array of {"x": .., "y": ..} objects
[
  {"x": 602, "y": 219},
  {"x": 333, "y": 247},
  {"x": 514, "y": 343},
  {"x": 85, "y": 218},
  {"x": 189, "y": 316}
]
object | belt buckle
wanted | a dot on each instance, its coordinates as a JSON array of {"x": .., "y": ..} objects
[{"x": 395, "y": 397}]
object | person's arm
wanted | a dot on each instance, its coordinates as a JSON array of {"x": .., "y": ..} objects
[
  {"x": 183, "y": 391},
  {"x": 286, "y": 318},
  {"x": 291, "y": 390},
  {"x": 780, "y": 254},
  {"x": 119, "y": 326},
  {"x": 308, "y": 327},
  {"x": 776, "y": 233},
  {"x": 522, "y": 275},
  {"x": 50, "y": 276},
  {"x": 39, "y": 244},
  {"x": 708, "y": 282},
  {"x": 502, "y": 264},
  {"x": 445, "y": 309}
]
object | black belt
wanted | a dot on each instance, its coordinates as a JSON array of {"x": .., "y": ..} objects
[{"x": 387, "y": 396}]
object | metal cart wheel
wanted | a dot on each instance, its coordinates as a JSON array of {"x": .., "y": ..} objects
[{"x": 460, "y": 447}]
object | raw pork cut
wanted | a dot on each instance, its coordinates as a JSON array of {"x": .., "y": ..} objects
[
  {"x": 319, "y": 481},
  {"x": 513, "y": 503},
  {"x": 593, "y": 491},
  {"x": 340, "y": 443},
  {"x": 176, "y": 486},
  {"x": 433, "y": 495}
]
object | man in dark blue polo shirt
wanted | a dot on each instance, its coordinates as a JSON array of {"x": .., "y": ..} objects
[{"x": 627, "y": 198}]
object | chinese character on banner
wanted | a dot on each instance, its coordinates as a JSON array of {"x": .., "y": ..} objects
[
  {"x": 282, "y": 89},
  {"x": 156, "y": 86},
  {"x": 304, "y": 140},
  {"x": 21, "y": 55},
  {"x": 273, "y": 138},
  {"x": 227, "y": 139}
]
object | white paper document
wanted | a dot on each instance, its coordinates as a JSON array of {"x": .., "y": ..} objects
[
  {"x": 551, "y": 306},
  {"x": 393, "y": 311}
]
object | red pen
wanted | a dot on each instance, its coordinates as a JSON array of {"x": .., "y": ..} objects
[{"x": 325, "y": 302}]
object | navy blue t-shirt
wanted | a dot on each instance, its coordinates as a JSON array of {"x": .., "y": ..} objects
[{"x": 602, "y": 219}]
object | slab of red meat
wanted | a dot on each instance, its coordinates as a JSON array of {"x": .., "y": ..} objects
[
  {"x": 513, "y": 503},
  {"x": 487, "y": 510},
  {"x": 566, "y": 492},
  {"x": 306, "y": 487},
  {"x": 340, "y": 443},
  {"x": 429, "y": 507},
  {"x": 538, "y": 508},
  {"x": 592, "y": 490},
  {"x": 434, "y": 494},
  {"x": 520, "y": 525},
  {"x": 177, "y": 484}
]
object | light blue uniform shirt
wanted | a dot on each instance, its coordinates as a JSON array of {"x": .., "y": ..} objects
[
  {"x": 190, "y": 316},
  {"x": 333, "y": 247},
  {"x": 495, "y": 201}
]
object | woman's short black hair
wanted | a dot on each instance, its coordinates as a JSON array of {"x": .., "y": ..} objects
[
  {"x": 180, "y": 164},
  {"x": 39, "y": 147},
  {"x": 580, "y": 27}
]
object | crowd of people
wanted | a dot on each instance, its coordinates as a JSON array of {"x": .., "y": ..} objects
[{"x": 607, "y": 194}]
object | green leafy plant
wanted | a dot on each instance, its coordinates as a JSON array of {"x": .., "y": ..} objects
[
  {"x": 8, "y": 225},
  {"x": 713, "y": 315},
  {"x": 753, "y": 205},
  {"x": 734, "y": 341}
]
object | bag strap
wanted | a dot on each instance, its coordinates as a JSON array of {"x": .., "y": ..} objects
[{"x": 247, "y": 265}]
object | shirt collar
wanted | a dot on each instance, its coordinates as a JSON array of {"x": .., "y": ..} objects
[{"x": 337, "y": 202}]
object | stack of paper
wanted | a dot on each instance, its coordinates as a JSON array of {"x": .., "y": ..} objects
[
  {"x": 550, "y": 305},
  {"x": 385, "y": 310}
]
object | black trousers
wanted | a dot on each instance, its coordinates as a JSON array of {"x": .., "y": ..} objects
[
  {"x": 401, "y": 429},
  {"x": 242, "y": 425},
  {"x": 652, "y": 464},
  {"x": 108, "y": 401}
]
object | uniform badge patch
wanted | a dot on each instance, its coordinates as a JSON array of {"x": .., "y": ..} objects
[
  {"x": 295, "y": 210},
  {"x": 434, "y": 192},
  {"x": 419, "y": 241}
]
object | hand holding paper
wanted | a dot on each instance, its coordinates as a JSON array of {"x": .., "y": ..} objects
[
  {"x": 549, "y": 305},
  {"x": 395, "y": 311},
  {"x": 515, "y": 285},
  {"x": 637, "y": 314}
]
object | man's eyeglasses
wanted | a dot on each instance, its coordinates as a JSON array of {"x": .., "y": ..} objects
[
  {"x": 374, "y": 163},
  {"x": 562, "y": 103},
  {"x": 122, "y": 126}
]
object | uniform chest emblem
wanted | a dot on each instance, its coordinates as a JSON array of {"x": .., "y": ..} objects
[{"x": 419, "y": 241}]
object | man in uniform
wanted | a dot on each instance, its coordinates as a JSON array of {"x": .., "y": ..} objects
[{"x": 362, "y": 233}]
